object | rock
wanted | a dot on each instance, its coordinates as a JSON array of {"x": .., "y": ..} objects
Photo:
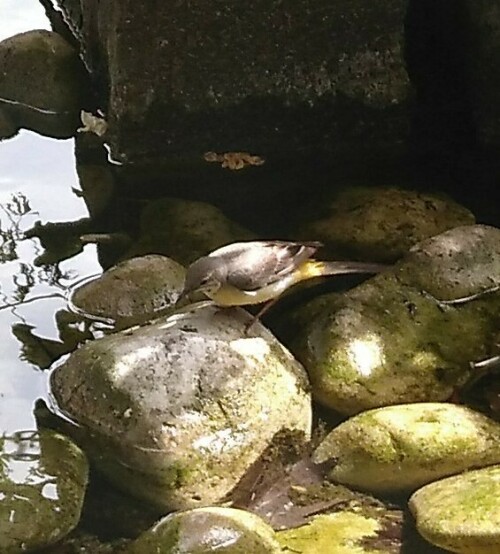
[
  {"x": 207, "y": 530},
  {"x": 185, "y": 230},
  {"x": 461, "y": 513},
  {"x": 400, "y": 448},
  {"x": 177, "y": 411},
  {"x": 392, "y": 340},
  {"x": 455, "y": 265},
  {"x": 132, "y": 291},
  {"x": 51, "y": 103},
  {"x": 8, "y": 125},
  {"x": 42, "y": 485},
  {"x": 98, "y": 185},
  {"x": 382, "y": 223},
  {"x": 266, "y": 79}
]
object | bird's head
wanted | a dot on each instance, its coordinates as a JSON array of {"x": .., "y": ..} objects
[{"x": 204, "y": 275}]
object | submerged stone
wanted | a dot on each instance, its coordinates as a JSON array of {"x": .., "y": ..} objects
[
  {"x": 208, "y": 530},
  {"x": 42, "y": 484},
  {"x": 400, "y": 448},
  {"x": 461, "y": 513},
  {"x": 177, "y": 411}
]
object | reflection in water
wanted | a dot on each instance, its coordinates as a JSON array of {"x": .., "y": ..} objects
[
  {"x": 10, "y": 235},
  {"x": 27, "y": 275},
  {"x": 36, "y": 182},
  {"x": 20, "y": 458}
]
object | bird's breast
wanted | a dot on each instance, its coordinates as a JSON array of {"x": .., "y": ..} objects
[{"x": 228, "y": 295}]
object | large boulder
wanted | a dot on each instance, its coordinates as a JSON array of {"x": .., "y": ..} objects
[
  {"x": 42, "y": 84},
  {"x": 177, "y": 411},
  {"x": 265, "y": 78}
]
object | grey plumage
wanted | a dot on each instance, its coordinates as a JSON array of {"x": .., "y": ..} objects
[{"x": 264, "y": 262}]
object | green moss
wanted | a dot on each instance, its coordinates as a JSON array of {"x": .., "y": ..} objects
[{"x": 340, "y": 533}]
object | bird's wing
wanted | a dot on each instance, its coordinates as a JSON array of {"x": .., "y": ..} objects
[{"x": 256, "y": 264}]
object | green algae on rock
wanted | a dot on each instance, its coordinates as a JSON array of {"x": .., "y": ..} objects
[
  {"x": 392, "y": 339},
  {"x": 177, "y": 411},
  {"x": 42, "y": 484},
  {"x": 461, "y": 513},
  {"x": 208, "y": 530},
  {"x": 382, "y": 223},
  {"x": 400, "y": 448},
  {"x": 336, "y": 533},
  {"x": 132, "y": 291}
]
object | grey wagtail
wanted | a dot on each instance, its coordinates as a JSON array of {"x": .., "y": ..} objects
[{"x": 254, "y": 272}]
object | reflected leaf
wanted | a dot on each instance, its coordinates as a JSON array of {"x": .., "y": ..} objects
[
  {"x": 60, "y": 240},
  {"x": 38, "y": 351},
  {"x": 19, "y": 205},
  {"x": 24, "y": 281}
]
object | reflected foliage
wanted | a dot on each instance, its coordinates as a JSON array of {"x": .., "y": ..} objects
[
  {"x": 10, "y": 231},
  {"x": 60, "y": 240},
  {"x": 54, "y": 242},
  {"x": 45, "y": 269},
  {"x": 42, "y": 352},
  {"x": 21, "y": 446}
]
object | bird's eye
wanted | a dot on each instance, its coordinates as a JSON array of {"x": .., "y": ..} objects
[{"x": 205, "y": 280}]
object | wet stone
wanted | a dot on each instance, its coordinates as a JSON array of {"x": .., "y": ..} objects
[
  {"x": 175, "y": 412},
  {"x": 461, "y": 513},
  {"x": 42, "y": 484},
  {"x": 400, "y": 448},
  {"x": 42, "y": 83},
  {"x": 392, "y": 340},
  {"x": 132, "y": 291},
  {"x": 382, "y": 223},
  {"x": 207, "y": 530},
  {"x": 8, "y": 125}
]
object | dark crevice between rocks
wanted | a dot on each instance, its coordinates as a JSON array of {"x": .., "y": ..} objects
[{"x": 444, "y": 145}]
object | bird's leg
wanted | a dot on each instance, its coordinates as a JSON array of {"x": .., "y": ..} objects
[{"x": 260, "y": 313}]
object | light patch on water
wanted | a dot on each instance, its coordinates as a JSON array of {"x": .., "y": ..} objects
[
  {"x": 18, "y": 16},
  {"x": 37, "y": 177},
  {"x": 366, "y": 354},
  {"x": 50, "y": 492},
  {"x": 39, "y": 165}
]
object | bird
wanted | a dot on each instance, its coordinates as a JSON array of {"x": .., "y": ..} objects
[{"x": 260, "y": 271}]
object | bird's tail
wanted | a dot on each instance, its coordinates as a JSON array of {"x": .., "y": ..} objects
[{"x": 315, "y": 268}]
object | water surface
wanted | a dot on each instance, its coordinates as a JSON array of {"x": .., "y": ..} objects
[{"x": 37, "y": 175}]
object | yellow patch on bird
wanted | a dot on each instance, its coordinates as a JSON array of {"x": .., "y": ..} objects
[{"x": 311, "y": 268}]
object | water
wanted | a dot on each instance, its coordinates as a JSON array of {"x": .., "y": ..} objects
[{"x": 37, "y": 175}]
